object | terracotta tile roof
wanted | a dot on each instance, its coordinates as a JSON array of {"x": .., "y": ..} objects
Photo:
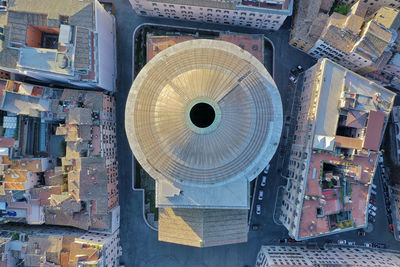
[
  {"x": 348, "y": 142},
  {"x": 44, "y": 193},
  {"x": 336, "y": 37},
  {"x": 310, "y": 224},
  {"x": 6, "y": 142},
  {"x": 14, "y": 186},
  {"x": 374, "y": 130},
  {"x": 374, "y": 41},
  {"x": 358, "y": 171},
  {"x": 356, "y": 119},
  {"x": 330, "y": 203},
  {"x": 251, "y": 43}
]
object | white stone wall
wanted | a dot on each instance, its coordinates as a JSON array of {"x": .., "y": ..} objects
[
  {"x": 301, "y": 256},
  {"x": 106, "y": 50}
]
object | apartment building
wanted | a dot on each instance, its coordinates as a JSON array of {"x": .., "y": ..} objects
[
  {"x": 294, "y": 256},
  {"x": 72, "y": 46},
  {"x": 262, "y": 14},
  {"x": 309, "y": 20},
  {"x": 340, "y": 124},
  {"x": 374, "y": 5},
  {"x": 356, "y": 43},
  {"x": 74, "y": 182},
  {"x": 58, "y": 247}
]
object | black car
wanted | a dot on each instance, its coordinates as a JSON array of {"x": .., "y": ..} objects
[
  {"x": 294, "y": 71},
  {"x": 361, "y": 232},
  {"x": 371, "y": 218},
  {"x": 378, "y": 245}
]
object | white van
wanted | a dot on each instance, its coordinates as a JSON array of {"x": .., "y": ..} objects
[{"x": 263, "y": 181}]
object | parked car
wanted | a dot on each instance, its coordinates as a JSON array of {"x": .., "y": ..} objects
[
  {"x": 383, "y": 170},
  {"x": 371, "y": 218},
  {"x": 294, "y": 71},
  {"x": 342, "y": 242},
  {"x": 372, "y": 201},
  {"x": 263, "y": 181},
  {"x": 292, "y": 78},
  {"x": 300, "y": 68},
  {"x": 380, "y": 159},
  {"x": 11, "y": 213},
  {"x": 371, "y": 212},
  {"x": 368, "y": 245},
  {"x": 258, "y": 209},
  {"x": 255, "y": 227},
  {"x": 361, "y": 232},
  {"x": 373, "y": 192},
  {"x": 378, "y": 245},
  {"x": 372, "y": 207},
  {"x": 373, "y": 186},
  {"x": 260, "y": 195},
  {"x": 351, "y": 243},
  {"x": 266, "y": 169},
  {"x": 284, "y": 240}
]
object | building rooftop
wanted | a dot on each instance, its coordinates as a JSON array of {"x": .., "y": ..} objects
[
  {"x": 66, "y": 195},
  {"x": 310, "y": 19},
  {"x": 342, "y": 167},
  {"x": 37, "y": 37},
  {"x": 374, "y": 131},
  {"x": 374, "y": 40},
  {"x": 252, "y": 43},
  {"x": 198, "y": 173},
  {"x": 198, "y": 168},
  {"x": 63, "y": 250},
  {"x": 342, "y": 31},
  {"x": 388, "y": 17},
  {"x": 24, "y": 104},
  {"x": 284, "y": 6},
  {"x": 202, "y": 227}
]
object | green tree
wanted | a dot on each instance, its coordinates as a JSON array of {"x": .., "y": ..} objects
[{"x": 342, "y": 9}]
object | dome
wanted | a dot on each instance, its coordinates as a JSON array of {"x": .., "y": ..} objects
[{"x": 203, "y": 112}]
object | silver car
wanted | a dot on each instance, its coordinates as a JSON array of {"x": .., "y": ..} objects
[{"x": 260, "y": 195}]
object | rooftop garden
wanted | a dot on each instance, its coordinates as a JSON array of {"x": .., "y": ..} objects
[
  {"x": 340, "y": 8},
  {"x": 341, "y": 220}
]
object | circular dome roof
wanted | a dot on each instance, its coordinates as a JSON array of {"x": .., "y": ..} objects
[{"x": 203, "y": 112}]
